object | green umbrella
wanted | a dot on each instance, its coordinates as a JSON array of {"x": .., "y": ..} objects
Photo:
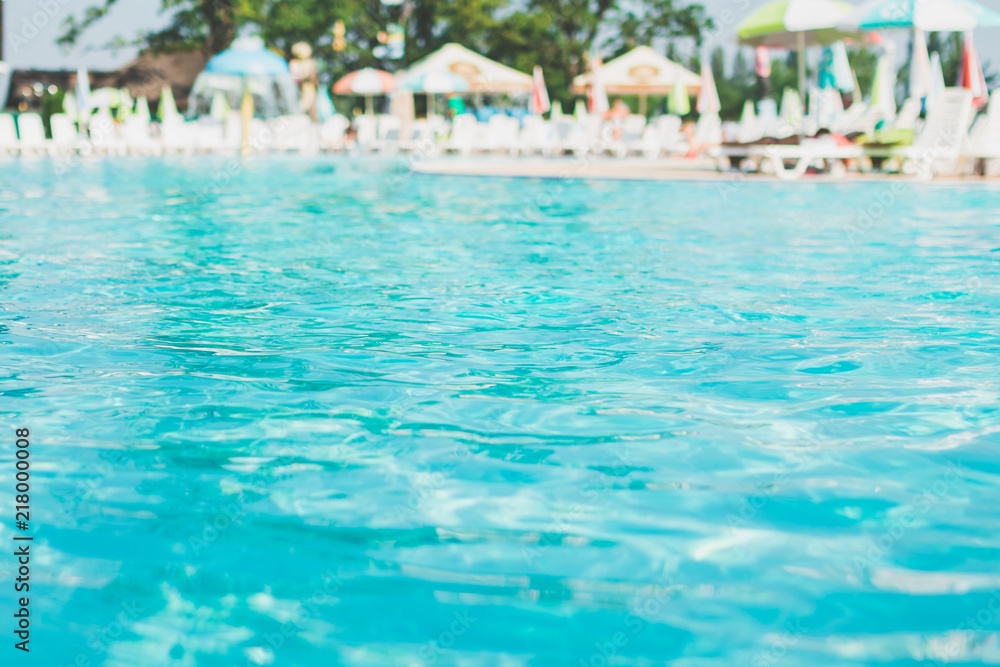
[
  {"x": 680, "y": 105},
  {"x": 220, "y": 107},
  {"x": 796, "y": 24},
  {"x": 167, "y": 108}
]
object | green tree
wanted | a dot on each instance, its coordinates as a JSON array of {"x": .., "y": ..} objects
[{"x": 556, "y": 34}]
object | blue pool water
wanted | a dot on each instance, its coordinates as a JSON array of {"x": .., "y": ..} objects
[{"x": 333, "y": 413}]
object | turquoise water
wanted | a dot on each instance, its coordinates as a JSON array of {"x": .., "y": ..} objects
[{"x": 333, "y": 413}]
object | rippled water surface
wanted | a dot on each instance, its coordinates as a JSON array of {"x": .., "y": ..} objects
[{"x": 331, "y": 413}]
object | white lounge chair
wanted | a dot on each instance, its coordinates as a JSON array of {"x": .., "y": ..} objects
[
  {"x": 210, "y": 135},
  {"x": 178, "y": 135},
  {"x": 31, "y": 131},
  {"x": 332, "y": 133},
  {"x": 367, "y": 137},
  {"x": 983, "y": 142},
  {"x": 138, "y": 137},
  {"x": 65, "y": 138},
  {"x": 422, "y": 139},
  {"x": 9, "y": 143},
  {"x": 104, "y": 135},
  {"x": 388, "y": 133},
  {"x": 937, "y": 149},
  {"x": 464, "y": 128},
  {"x": 535, "y": 136}
]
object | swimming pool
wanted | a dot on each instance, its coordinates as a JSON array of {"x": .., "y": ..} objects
[{"x": 324, "y": 412}]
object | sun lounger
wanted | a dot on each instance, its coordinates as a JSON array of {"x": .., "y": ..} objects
[
  {"x": 388, "y": 133},
  {"x": 9, "y": 143},
  {"x": 983, "y": 142},
  {"x": 178, "y": 135},
  {"x": 501, "y": 134},
  {"x": 367, "y": 136},
  {"x": 103, "y": 134},
  {"x": 937, "y": 148},
  {"x": 535, "y": 136},
  {"x": 65, "y": 138},
  {"x": 209, "y": 135},
  {"x": 821, "y": 152},
  {"x": 138, "y": 137},
  {"x": 32, "y": 134},
  {"x": 332, "y": 133},
  {"x": 464, "y": 128}
]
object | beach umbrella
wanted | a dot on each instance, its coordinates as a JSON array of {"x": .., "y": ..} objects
[
  {"x": 708, "y": 96},
  {"x": 368, "y": 82},
  {"x": 791, "y": 108},
  {"x": 749, "y": 115},
  {"x": 928, "y": 15},
  {"x": 538, "y": 103},
  {"x": 796, "y": 24},
  {"x": 580, "y": 111},
  {"x": 83, "y": 93},
  {"x": 920, "y": 66},
  {"x": 970, "y": 74},
  {"x": 219, "y": 110},
  {"x": 597, "y": 100},
  {"x": 142, "y": 108},
  {"x": 884, "y": 87},
  {"x": 167, "y": 108},
  {"x": 680, "y": 105}
]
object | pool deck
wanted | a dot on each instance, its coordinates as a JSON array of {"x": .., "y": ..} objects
[{"x": 663, "y": 169}]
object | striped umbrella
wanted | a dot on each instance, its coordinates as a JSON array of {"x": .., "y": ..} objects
[
  {"x": 538, "y": 103},
  {"x": 367, "y": 81},
  {"x": 970, "y": 75}
]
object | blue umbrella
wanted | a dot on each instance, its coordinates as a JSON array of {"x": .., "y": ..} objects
[{"x": 247, "y": 58}]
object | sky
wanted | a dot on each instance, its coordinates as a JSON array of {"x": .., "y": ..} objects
[{"x": 32, "y": 26}]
